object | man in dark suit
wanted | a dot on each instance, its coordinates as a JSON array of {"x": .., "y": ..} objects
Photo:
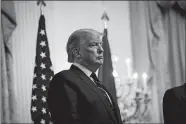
[
  {"x": 76, "y": 96},
  {"x": 174, "y": 105}
]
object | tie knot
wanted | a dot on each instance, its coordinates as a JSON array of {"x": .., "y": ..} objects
[
  {"x": 96, "y": 80},
  {"x": 93, "y": 75}
]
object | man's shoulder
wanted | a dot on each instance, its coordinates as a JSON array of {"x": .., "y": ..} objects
[
  {"x": 64, "y": 73},
  {"x": 177, "y": 91},
  {"x": 65, "y": 76}
]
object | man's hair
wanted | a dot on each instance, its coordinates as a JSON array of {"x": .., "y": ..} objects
[{"x": 78, "y": 37}]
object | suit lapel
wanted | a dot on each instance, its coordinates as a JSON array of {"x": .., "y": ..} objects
[
  {"x": 90, "y": 83},
  {"x": 115, "y": 105}
]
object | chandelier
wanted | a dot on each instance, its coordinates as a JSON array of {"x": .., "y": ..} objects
[{"x": 133, "y": 97}]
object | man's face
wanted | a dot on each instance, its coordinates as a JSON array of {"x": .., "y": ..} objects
[{"x": 92, "y": 52}]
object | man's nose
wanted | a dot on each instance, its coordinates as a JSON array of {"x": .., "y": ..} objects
[{"x": 100, "y": 49}]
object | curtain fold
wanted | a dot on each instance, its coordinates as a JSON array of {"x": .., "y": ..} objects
[
  {"x": 158, "y": 51},
  {"x": 175, "y": 30},
  {"x": 8, "y": 24},
  {"x": 158, "y": 41}
]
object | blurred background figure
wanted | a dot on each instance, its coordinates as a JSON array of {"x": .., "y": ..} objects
[{"x": 174, "y": 105}]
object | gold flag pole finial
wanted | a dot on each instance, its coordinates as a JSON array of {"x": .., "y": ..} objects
[
  {"x": 41, "y": 3},
  {"x": 105, "y": 18}
]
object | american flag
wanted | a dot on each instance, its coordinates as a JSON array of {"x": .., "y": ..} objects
[{"x": 43, "y": 73}]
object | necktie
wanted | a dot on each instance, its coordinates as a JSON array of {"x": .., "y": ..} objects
[{"x": 101, "y": 87}]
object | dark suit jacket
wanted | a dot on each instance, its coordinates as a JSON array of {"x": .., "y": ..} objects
[
  {"x": 74, "y": 99},
  {"x": 174, "y": 105}
]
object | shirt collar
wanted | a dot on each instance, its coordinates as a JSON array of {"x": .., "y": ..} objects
[{"x": 83, "y": 68}]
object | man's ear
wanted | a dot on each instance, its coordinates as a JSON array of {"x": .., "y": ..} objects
[{"x": 76, "y": 52}]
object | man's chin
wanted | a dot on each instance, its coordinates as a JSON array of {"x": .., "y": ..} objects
[{"x": 100, "y": 62}]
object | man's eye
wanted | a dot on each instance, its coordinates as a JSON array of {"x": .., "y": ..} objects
[{"x": 93, "y": 44}]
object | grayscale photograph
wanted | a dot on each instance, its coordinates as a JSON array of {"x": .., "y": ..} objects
[{"x": 93, "y": 62}]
